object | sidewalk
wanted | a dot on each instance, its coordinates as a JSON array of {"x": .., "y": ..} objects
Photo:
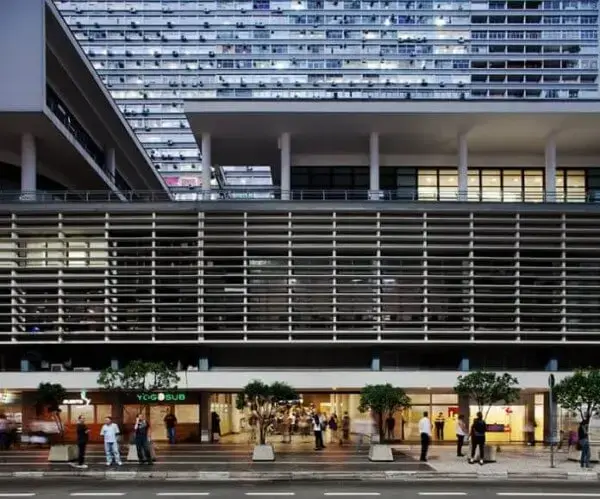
[{"x": 223, "y": 463}]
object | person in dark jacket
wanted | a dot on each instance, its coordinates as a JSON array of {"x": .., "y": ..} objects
[
  {"x": 142, "y": 444},
  {"x": 478, "y": 431},
  {"x": 82, "y": 441}
]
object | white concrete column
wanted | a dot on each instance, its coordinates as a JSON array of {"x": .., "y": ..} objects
[
  {"x": 374, "y": 166},
  {"x": 28, "y": 164},
  {"x": 550, "y": 170},
  {"x": 463, "y": 167},
  {"x": 206, "y": 166},
  {"x": 285, "y": 149},
  {"x": 111, "y": 162}
]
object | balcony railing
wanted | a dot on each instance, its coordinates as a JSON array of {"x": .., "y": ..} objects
[{"x": 270, "y": 194}]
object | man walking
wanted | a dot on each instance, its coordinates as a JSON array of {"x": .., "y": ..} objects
[
  {"x": 318, "y": 430},
  {"x": 478, "y": 430},
  {"x": 583, "y": 439},
  {"x": 425, "y": 432},
  {"x": 170, "y": 423},
  {"x": 142, "y": 444},
  {"x": 110, "y": 431},
  {"x": 82, "y": 441}
]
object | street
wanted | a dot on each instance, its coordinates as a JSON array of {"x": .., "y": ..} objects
[{"x": 301, "y": 490}]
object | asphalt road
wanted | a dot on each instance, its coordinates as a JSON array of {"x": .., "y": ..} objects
[{"x": 174, "y": 489}]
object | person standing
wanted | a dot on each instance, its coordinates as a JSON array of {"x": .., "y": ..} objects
[
  {"x": 4, "y": 432},
  {"x": 170, "y": 423},
  {"x": 478, "y": 430},
  {"x": 425, "y": 432},
  {"x": 110, "y": 431},
  {"x": 390, "y": 425},
  {"x": 345, "y": 428},
  {"x": 461, "y": 433},
  {"x": 583, "y": 439},
  {"x": 440, "y": 421},
  {"x": 82, "y": 441},
  {"x": 318, "y": 431},
  {"x": 142, "y": 444}
]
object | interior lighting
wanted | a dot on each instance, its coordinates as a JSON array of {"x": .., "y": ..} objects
[{"x": 440, "y": 22}]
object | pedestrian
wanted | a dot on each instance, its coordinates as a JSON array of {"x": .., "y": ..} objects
[
  {"x": 318, "y": 431},
  {"x": 425, "y": 432},
  {"x": 478, "y": 430},
  {"x": 170, "y": 423},
  {"x": 440, "y": 422},
  {"x": 333, "y": 426},
  {"x": 110, "y": 431},
  {"x": 390, "y": 425},
  {"x": 461, "y": 433},
  {"x": 346, "y": 428},
  {"x": 82, "y": 441},
  {"x": 142, "y": 444},
  {"x": 583, "y": 441},
  {"x": 4, "y": 432}
]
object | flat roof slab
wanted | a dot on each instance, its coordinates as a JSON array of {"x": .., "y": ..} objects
[{"x": 408, "y": 127}]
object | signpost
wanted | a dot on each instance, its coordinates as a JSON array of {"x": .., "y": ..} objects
[{"x": 551, "y": 383}]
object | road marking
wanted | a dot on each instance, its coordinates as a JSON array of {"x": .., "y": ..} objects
[
  {"x": 353, "y": 494},
  {"x": 548, "y": 494},
  {"x": 270, "y": 494},
  {"x": 442, "y": 493},
  {"x": 17, "y": 494},
  {"x": 97, "y": 494},
  {"x": 183, "y": 494}
]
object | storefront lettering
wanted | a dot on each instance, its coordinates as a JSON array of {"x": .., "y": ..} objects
[
  {"x": 161, "y": 397},
  {"x": 82, "y": 400}
]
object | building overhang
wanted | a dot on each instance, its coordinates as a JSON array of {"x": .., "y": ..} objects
[{"x": 250, "y": 129}]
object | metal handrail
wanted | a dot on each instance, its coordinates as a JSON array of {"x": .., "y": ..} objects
[{"x": 262, "y": 194}]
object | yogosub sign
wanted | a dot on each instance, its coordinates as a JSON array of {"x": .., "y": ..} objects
[{"x": 161, "y": 397}]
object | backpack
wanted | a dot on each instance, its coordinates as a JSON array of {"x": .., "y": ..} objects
[{"x": 479, "y": 428}]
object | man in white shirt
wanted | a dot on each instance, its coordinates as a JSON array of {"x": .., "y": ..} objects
[
  {"x": 425, "y": 432},
  {"x": 110, "y": 431}
]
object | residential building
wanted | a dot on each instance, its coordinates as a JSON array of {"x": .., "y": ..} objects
[{"x": 154, "y": 54}]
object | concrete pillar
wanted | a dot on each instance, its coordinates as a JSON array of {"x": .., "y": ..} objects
[
  {"x": 550, "y": 170},
  {"x": 111, "y": 163},
  {"x": 206, "y": 166},
  {"x": 28, "y": 164},
  {"x": 374, "y": 166},
  {"x": 205, "y": 422},
  {"x": 285, "y": 149},
  {"x": 463, "y": 167},
  {"x": 547, "y": 421}
]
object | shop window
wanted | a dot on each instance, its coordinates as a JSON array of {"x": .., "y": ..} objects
[
  {"x": 87, "y": 411},
  {"x": 187, "y": 413},
  {"x": 102, "y": 411},
  {"x": 444, "y": 398}
]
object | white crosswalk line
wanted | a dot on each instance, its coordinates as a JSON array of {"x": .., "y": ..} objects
[
  {"x": 17, "y": 494},
  {"x": 442, "y": 493},
  {"x": 270, "y": 494},
  {"x": 352, "y": 494},
  {"x": 97, "y": 494}
]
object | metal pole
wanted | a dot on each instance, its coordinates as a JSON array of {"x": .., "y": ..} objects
[{"x": 552, "y": 432}]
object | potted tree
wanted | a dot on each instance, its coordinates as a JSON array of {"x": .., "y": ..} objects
[
  {"x": 580, "y": 394},
  {"x": 49, "y": 398},
  {"x": 264, "y": 401},
  {"x": 486, "y": 389},
  {"x": 382, "y": 401},
  {"x": 135, "y": 377}
]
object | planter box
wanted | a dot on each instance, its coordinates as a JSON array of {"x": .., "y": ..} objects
[
  {"x": 62, "y": 453},
  {"x": 132, "y": 453},
  {"x": 489, "y": 453},
  {"x": 263, "y": 453},
  {"x": 381, "y": 453}
]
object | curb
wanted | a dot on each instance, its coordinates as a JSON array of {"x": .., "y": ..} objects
[{"x": 374, "y": 476}]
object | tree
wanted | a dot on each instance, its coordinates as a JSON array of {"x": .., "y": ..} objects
[
  {"x": 383, "y": 401},
  {"x": 264, "y": 401},
  {"x": 139, "y": 375},
  {"x": 580, "y": 393},
  {"x": 49, "y": 398},
  {"x": 487, "y": 388}
]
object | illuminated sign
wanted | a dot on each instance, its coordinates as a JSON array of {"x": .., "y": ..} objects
[
  {"x": 161, "y": 397},
  {"x": 82, "y": 400}
]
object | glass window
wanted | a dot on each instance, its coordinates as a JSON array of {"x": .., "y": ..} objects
[
  {"x": 187, "y": 413},
  {"x": 428, "y": 184},
  {"x": 512, "y": 181},
  {"x": 444, "y": 398},
  {"x": 87, "y": 411},
  {"x": 103, "y": 411},
  {"x": 448, "y": 185},
  {"x": 420, "y": 399},
  {"x": 575, "y": 186},
  {"x": 491, "y": 185},
  {"x": 474, "y": 185},
  {"x": 534, "y": 186}
]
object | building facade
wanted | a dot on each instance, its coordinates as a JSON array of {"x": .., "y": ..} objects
[{"x": 155, "y": 54}]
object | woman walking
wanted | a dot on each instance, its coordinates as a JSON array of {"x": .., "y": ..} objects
[{"x": 461, "y": 433}]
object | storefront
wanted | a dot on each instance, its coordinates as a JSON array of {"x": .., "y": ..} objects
[{"x": 11, "y": 406}]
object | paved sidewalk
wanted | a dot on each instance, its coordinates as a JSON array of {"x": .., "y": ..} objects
[{"x": 223, "y": 463}]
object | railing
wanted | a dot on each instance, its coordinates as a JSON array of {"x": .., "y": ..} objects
[{"x": 270, "y": 194}]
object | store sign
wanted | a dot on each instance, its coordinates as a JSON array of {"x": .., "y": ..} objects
[
  {"x": 161, "y": 397},
  {"x": 82, "y": 400}
]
